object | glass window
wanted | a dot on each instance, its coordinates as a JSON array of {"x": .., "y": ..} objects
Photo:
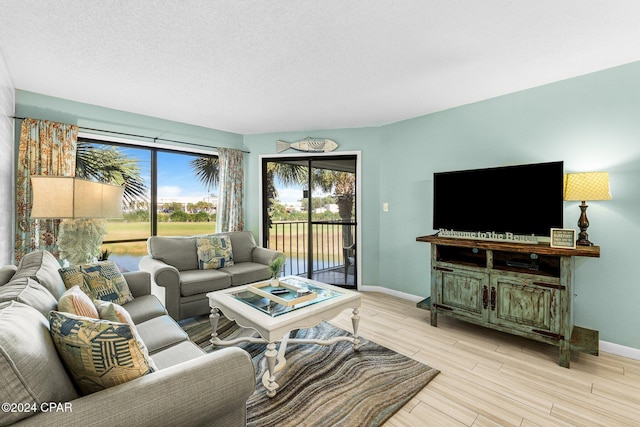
[
  {"x": 186, "y": 206},
  {"x": 184, "y": 185}
]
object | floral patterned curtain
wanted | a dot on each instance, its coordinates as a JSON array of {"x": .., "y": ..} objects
[
  {"x": 46, "y": 148},
  {"x": 230, "y": 209}
]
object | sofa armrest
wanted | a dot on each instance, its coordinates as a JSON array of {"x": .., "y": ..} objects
[
  {"x": 165, "y": 283},
  {"x": 264, "y": 256},
  {"x": 139, "y": 282},
  {"x": 6, "y": 273},
  {"x": 212, "y": 389}
]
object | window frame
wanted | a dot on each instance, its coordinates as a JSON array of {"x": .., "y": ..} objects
[{"x": 153, "y": 149}]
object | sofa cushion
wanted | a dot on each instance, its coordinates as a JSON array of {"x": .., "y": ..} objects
[
  {"x": 29, "y": 292},
  {"x": 98, "y": 353},
  {"x": 179, "y": 252},
  {"x": 161, "y": 332},
  {"x": 30, "y": 369},
  {"x": 42, "y": 267},
  {"x": 194, "y": 282},
  {"x": 99, "y": 280},
  {"x": 214, "y": 252},
  {"x": 75, "y": 301},
  {"x": 113, "y": 312},
  {"x": 243, "y": 244},
  {"x": 144, "y": 307},
  {"x": 247, "y": 272},
  {"x": 182, "y": 352}
]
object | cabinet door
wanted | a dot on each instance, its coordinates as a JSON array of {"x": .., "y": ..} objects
[
  {"x": 530, "y": 305},
  {"x": 463, "y": 292}
]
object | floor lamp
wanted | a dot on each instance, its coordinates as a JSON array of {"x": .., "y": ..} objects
[
  {"x": 83, "y": 206},
  {"x": 585, "y": 186}
]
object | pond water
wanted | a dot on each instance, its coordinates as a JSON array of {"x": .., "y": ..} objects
[{"x": 126, "y": 262}]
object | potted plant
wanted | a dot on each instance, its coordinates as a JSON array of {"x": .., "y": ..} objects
[
  {"x": 276, "y": 267},
  {"x": 104, "y": 255}
]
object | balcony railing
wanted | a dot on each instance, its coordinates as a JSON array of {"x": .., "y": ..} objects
[{"x": 328, "y": 242}]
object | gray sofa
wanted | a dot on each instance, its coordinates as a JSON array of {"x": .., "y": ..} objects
[
  {"x": 190, "y": 388},
  {"x": 178, "y": 282}
]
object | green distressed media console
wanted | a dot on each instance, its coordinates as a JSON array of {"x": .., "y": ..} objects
[{"x": 522, "y": 289}]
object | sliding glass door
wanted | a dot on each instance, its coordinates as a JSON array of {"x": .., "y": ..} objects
[{"x": 309, "y": 212}]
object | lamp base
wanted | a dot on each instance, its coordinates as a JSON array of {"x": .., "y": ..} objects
[
  {"x": 79, "y": 240},
  {"x": 583, "y": 224},
  {"x": 584, "y": 242}
]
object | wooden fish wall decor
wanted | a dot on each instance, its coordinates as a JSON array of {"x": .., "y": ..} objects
[{"x": 308, "y": 145}]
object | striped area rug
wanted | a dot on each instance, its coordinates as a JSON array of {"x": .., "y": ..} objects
[{"x": 325, "y": 385}]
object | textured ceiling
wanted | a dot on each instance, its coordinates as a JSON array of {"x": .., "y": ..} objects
[{"x": 257, "y": 66}]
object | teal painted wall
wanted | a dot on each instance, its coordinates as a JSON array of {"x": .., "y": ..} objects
[
  {"x": 590, "y": 122},
  {"x": 87, "y": 116},
  {"x": 37, "y": 106}
]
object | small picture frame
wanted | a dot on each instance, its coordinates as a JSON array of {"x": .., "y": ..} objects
[{"x": 563, "y": 238}]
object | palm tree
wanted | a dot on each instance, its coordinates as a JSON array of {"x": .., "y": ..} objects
[
  {"x": 79, "y": 240},
  {"x": 287, "y": 173},
  {"x": 108, "y": 164},
  {"x": 207, "y": 170},
  {"x": 342, "y": 185}
]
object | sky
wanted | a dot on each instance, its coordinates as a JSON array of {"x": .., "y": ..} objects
[
  {"x": 177, "y": 182},
  {"x": 289, "y": 196},
  {"x": 176, "y": 179}
]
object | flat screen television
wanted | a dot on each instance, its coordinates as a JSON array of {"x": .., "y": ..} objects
[{"x": 523, "y": 199}]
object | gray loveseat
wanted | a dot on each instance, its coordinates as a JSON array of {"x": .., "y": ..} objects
[
  {"x": 182, "y": 286},
  {"x": 190, "y": 388}
]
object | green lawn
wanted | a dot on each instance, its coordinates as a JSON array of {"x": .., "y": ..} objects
[
  {"x": 120, "y": 230},
  {"x": 293, "y": 239},
  {"x": 290, "y": 239}
]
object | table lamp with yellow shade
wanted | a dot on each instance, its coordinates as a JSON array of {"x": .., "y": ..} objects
[{"x": 585, "y": 186}]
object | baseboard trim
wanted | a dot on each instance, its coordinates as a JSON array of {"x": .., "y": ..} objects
[
  {"x": 620, "y": 350},
  {"x": 607, "y": 347},
  {"x": 392, "y": 292}
]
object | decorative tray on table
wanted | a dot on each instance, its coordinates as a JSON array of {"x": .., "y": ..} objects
[{"x": 284, "y": 293}]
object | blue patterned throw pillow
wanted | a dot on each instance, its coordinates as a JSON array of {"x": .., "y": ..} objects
[
  {"x": 98, "y": 353},
  {"x": 99, "y": 280},
  {"x": 214, "y": 252}
]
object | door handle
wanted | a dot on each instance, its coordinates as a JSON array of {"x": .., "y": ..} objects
[
  {"x": 485, "y": 297},
  {"x": 493, "y": 298}
]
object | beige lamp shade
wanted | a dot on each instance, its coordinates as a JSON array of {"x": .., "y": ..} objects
[
  {"x": 585, "y": 186},
  {"x": 66, "y": 197}
]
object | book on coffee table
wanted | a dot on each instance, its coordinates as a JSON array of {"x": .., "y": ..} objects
[{"x": 285, "y": 293}]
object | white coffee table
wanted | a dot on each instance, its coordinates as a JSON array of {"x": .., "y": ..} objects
[{"x": 274, "y": 321}]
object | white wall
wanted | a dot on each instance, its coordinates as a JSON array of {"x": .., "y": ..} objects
[{"x": 7, "y": 156}]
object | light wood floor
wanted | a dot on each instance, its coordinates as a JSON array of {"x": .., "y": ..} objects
[{"x": 489, "y": 378}]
